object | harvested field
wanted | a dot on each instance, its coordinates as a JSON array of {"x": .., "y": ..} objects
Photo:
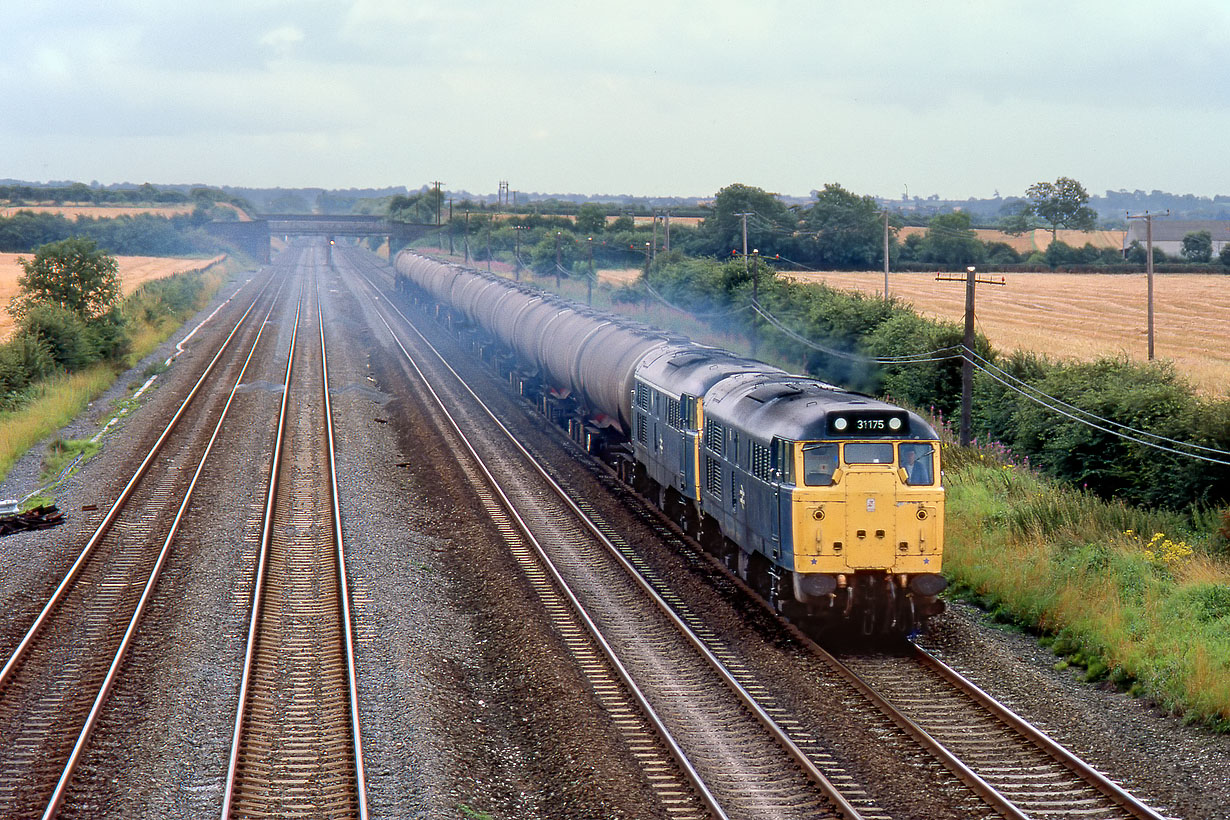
[
  {"x": 96, "y": 211},
  {"x": 1038, "y": 239},
  {"x": 618, "y": 276},
  {"x": 112, "y": 211},
  {"x": 1081, "y": 316},
  {"x": 134, "y": 272}
]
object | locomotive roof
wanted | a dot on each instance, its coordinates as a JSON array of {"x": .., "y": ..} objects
[
  {"x": 803, "y": 409},
  {"x": 693, "y": 368}
]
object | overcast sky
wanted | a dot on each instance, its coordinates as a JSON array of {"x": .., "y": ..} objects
[{"x": 651, "y": 98}]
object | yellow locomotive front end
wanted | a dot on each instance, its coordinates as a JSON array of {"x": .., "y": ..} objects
[{"x": 868, "y": 528}]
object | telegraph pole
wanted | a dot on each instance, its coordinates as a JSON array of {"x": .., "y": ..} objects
[
  {"x": 745, "y": 216},
  {"x": 886, "y": 256},
  {"x": 1148, "y": 218},
  {"x": 967, "y": 345},
  {"x": 437, "y": 183},
  {"x": 655, "y": 234},
  {"x": 557, "y": 237},
  {"x": 450, "y": 226},
  {"x": 668, "y": 232},
  {"x": 589, "y": 283},
  {"x": 755, "y": 280}
]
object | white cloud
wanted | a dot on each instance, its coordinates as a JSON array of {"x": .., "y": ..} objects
[{"x": 282, "y": 39}]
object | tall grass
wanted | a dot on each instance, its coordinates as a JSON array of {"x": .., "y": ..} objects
[
  {"x": 55, "y": 403},
  {"x": 152, "y": 314},
  {"x": 1128, "y": 594}
]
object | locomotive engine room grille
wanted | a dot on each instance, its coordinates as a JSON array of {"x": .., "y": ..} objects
[
  {"x": 642, "y": 429},
  {"x": 642, "y": 396},
  {"x": 715, "y": 437},
  {"x": 713, "y": 476},
  {"x": 672, "y": 413},
  {"x": 762, "y": 465}
]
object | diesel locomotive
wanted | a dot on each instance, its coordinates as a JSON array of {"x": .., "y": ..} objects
[{"x": 826, "y": 502}]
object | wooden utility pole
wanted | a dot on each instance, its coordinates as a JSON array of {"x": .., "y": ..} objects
[
  {"x": 589, "y": 283},
  {"x": 967, "y": 347},
  {"x": 450, "y": 226},
  {"x": 886, "y": 256},
  {"x": 437, "y": 183},
  {"x": 755, "y": 278},
  {"x": 557, "y": 238},
  {"x": 466, "y": 239},
  {"x": 1148, "y": 218},
  {"x": 646, "y": 277},
  {"x": 517, "y": 253},
  {"x": 668, "y": 232}
]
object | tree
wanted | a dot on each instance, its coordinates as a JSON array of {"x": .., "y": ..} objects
[
  {"x": 1137, "y": 254},
  {"x": 723, "y": 231},
  {"x": 72, "y": 273},
  {"x": 1198, "y": 246},
  {"x": 1015, "y": 217},
  {"x": 1225, "y": 254},
  {"x": 591, "y": 219},
  {"x": 1062, "y": 204},
  {"x": 844, "y": 229},
  {"x": 951, "y": 241},
  {"x": 419, "y": 207}
]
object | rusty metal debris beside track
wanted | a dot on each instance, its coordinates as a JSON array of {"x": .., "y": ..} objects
[{"x": 36, "y": 518}]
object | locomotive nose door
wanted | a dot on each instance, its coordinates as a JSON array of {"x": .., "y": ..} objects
[
  {"x": 870, "y": 482},
  {"x": 869, "y": 516}
]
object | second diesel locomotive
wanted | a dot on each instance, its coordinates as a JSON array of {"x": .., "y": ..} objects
[{"x": 827, "y": 503}]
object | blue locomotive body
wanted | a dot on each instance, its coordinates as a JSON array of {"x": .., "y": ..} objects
[{"x": 827, "y": 503}]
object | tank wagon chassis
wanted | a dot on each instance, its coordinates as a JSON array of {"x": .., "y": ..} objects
[{"x": 825, "y": 503}]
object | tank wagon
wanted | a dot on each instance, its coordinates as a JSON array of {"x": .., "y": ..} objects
[{"x": 827, "y": 503}]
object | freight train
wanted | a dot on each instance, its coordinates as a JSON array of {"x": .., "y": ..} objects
[{"x": 825, "y": 502}]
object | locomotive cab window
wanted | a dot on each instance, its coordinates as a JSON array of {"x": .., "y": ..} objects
[
  {"x": 869, "y": 452},
  {"x": 819, "y": 464},
  {"x": 918, "y": 462}
]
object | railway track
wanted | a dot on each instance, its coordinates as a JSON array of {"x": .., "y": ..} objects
[
  {"x": 55, "y": 682},
  {"x": 297, "y": 748},
  {"x": 1011, "y": 763},
  {"x": 1012, "y": 768},
  {"x": 710, "y": 745}
]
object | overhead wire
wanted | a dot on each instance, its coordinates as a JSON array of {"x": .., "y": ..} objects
[
  {"x": 1021, "y": 386},
  {"x": 1112, "y": 432},
  {"x": 980, "y": 363}
]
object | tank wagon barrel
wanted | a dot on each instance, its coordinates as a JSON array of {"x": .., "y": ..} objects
[
  {"x": 578, "y": 351},
  {"x": 828, "y": 503}
]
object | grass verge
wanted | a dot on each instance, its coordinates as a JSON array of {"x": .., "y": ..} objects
[
  {"x": 152, "y": 318},
  {"x": 1129, "y": 595},
  {"x": 55, "y": 403}
]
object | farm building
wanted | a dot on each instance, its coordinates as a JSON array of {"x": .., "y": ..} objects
[{"x": 1168, "y": 233}]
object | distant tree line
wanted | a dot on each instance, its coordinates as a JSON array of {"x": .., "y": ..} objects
[
  {"x": 837, "y": 230},
  {"x": 81, "y": 194},
  {"x": 135, "y": 235}
]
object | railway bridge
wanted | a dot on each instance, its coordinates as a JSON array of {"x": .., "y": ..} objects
[{"x": 253, "y": 236}]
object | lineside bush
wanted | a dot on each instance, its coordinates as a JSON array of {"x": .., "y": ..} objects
[
  {"x": 38, "y": 394},
  {"x": 1129, "y": 595}
]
